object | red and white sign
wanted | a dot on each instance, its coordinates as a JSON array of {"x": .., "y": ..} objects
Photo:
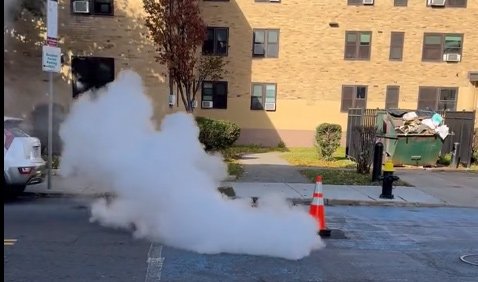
[{"x": 52, "y": 22}]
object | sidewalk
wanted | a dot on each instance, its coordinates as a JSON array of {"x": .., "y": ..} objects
[
  {"x": 299, "y": 193},
  {"x": 268, "y": 173}
]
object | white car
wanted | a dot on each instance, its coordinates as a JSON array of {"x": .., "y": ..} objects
[{"x": 22, "y": 161}]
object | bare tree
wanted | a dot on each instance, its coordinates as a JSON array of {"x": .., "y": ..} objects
[{"x": 178, "y": 31}]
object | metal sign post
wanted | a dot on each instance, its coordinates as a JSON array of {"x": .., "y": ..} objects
[{"x": 51, "y": 62}]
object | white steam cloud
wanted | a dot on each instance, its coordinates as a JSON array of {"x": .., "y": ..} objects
[{"x": 166, "y": 184}]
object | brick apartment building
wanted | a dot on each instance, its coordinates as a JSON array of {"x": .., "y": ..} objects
[{"x": 293, "y": 64}]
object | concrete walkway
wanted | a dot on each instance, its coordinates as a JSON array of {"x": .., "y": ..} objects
[
  {"x": 269, "y": 167},
  {"x": 268, "y": 173}
]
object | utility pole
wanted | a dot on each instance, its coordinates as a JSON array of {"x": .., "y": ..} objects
[{"x": 51, "y": 62}]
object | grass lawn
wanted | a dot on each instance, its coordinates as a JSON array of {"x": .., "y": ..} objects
[
  {"x": 234, "y": 168},
  {"x": 344, "y": 177},
  {"x": 308, "y": 157}
]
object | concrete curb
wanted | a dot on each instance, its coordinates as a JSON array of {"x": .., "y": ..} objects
[{"x": 337, "y": 202}]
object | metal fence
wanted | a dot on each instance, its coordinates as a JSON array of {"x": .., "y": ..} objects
[{"x": 461, "y": 126}]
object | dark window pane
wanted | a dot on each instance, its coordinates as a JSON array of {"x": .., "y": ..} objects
[
  {"x": 256, "y": 103},
  {"x": 391, "y": 99},
  {"x": 259, "y": 49},
  {"x": 364, "y": 52},
  {"x": 361, "y": 92},
  {"x": 347, "y": 98},
  {"x": 103, "y": 7},
  {"x": 456, "y": 3},
  {"x": 361, "y": 104},
  {"x": 208, "y": 46},
  {"x": 400, "y": 3},
  {"x": 221, "y": 39},
  {"x": 354, "y": 2},
  {"x": 427, "y": 98},
  {"x": 448, "y": 94},
  {"x": 215, "y": 91},
  {"x": 396, "y": 45},
  {"x": 432, "y": 53},
  {"x": 446, "y": 106},
  {"x": 220, "y": 89},
  {"x": 350, "y": 51}
]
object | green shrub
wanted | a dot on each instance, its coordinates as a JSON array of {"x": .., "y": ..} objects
[
  {"x": 327, "y": 138},
  {"x": 217, "y": 134},
  {"x": 475, "y": 146},
  {"x": 444, "y": 159},
  {"x": 281, "y": 145}
]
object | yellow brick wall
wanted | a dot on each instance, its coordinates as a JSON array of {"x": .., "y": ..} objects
[{"x": 310, "y": 70}]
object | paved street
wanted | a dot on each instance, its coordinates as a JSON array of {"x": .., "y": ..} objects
[{"x": 55, "y": 242}]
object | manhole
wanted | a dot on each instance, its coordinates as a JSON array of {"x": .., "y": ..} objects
[{"x": 336, "y": 234}]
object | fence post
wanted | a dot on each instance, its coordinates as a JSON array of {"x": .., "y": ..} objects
[{"x": 377, "y": 161}]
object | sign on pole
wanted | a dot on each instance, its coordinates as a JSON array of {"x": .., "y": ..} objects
[
  {"x": 51, "y": 59},
  {"x": 52, "y": 23}
]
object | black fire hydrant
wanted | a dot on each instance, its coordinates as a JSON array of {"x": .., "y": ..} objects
[{"x": 387, "y": 181}]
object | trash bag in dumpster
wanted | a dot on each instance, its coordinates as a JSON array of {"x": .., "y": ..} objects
[{"x": 413, "y": 138}]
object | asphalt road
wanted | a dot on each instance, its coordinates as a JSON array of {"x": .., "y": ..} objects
[{"x": 56, "y": 242}]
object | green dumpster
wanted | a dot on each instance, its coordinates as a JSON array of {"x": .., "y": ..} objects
[
  {"x": 413, "y": 149},
  {"x": 407, "y": 149}
]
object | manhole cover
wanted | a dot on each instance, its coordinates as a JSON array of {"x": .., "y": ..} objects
[{"x": 336, "y": 234}]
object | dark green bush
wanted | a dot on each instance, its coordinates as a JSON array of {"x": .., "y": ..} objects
[
  {"x": 475, "y": 146},
  {"x": 444, "y": 159},
  {"x": 217, "y": 134},
  {"x": 327, "y": 138}
]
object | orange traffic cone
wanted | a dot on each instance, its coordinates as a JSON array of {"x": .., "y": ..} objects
[{"x": 317, "y": 209}]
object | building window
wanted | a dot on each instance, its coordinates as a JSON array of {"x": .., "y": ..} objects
[
  {"x": 391, "y": 99},
  {"x": 93, "y": 7},
  {"x": 355, "y": 2},
  {"x": 456, "y": 3},
  {"x": 216, "y": 42},
  {"x": 266, "y": 43},
  {"x": 264, "y": 96},
  {"x": 214, "y": 95},
  {"x": 400, "y": 3},
  {"x": 357, "y": 45},
  {"x": 435, "y": 45},
  {"x": 91, "y": 73},
  {"x": 354, "y": 96},
  {"x": 451, "y": 3},
  {"x": 396, "y": 46},
  {"x": 437, "y": 98}
]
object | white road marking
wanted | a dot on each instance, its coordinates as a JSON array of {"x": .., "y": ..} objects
[
  {"x": 155, "y": 263},
  {"x": 9, "y": 242}
]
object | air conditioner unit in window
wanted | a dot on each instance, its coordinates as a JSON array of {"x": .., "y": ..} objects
[
  {"x": 436, "y": 2},
  {"x": 452, "y": 57},
  {"x": 206, "y": 104},
  {"x": 270, "y": 106},
  {"x": 367, "y": 2},
  {"x": 81, "y": 7}
]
